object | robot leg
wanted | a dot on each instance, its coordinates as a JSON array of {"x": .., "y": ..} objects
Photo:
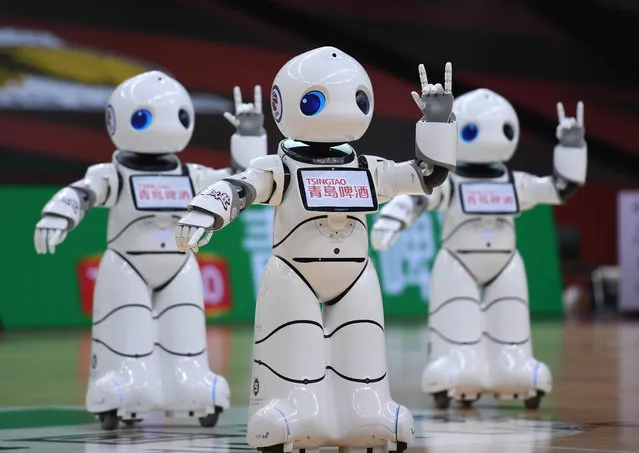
[
  {"x": 190, "y": 387},
  {"x": 288, "y": 402},
  {"x": 456, "y": 363},
  {"x": 514, "y": 372},
  {"x": 365, "y": 414},
  {"x": 123, "y": 380}
]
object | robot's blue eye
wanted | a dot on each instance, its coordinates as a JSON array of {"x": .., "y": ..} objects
[
  {"x": 141, "y": 119},
  {"x": 469, "y": 132},
  {"x": 312, "y": 103}
]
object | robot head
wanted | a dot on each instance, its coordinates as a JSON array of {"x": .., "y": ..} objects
[
  {"x": 150, "y": 113},
  {"x": 323, "y": 95},
  {"x": 488, "y": 127}
]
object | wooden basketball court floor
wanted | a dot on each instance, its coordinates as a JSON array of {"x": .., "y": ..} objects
[{"x": 594, "y": 406}]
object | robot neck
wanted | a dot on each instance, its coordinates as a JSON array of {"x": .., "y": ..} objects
[
  {"x": 319, "y": 153},
  {"x": 481, "y": 171},
  {"x": 147, "y": 162}
]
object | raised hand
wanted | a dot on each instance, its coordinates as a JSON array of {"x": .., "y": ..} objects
[
  {"x": 248, "y": 118},
  {"x": 435, "y": 102},
  {"x": 571, "y": 131}
]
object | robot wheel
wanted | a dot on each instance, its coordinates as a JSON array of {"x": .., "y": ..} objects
[
  {"x": 442, "y": 400},
  {"x": 533, "y": 402},
  {"x": 109, "y": 420},
  {"x": 210, "y": 420}
]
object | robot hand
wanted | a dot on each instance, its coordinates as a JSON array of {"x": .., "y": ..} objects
[
  {"x": 385, "y": 233},
  {"x": 435, "y": 102},
  {"x": 50, "y": 231},
  {"x": 248, "y": 118},
  {"x": 191, "y": 228},
  {"x": 571, "y": 131}
]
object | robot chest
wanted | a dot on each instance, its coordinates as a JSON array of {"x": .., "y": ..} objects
[
  {"x": 159, "y": 192},
  {"x": 333, "y": 190},
  {"x": 486, "y": 198}
]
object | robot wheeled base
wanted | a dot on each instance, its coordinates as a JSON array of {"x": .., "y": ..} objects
[
  {"x": 279, "y": 448},
  {"x": 110, "y": 420},
  {"x": 442, "y": 401}
]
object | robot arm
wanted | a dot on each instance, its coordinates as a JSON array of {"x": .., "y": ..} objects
[
  {"x": 219, "y": 204},
  {"x": 570, "y": 164},
  {"x": 400, "y": 213},
  {"x": 68, "y": 207},
  {"x": 203, "y": 177}
]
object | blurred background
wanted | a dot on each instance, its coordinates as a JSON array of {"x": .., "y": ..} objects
[{"x": 60, "y": 60}]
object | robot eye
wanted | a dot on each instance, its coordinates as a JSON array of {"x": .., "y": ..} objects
[
  {"x": 184, "y": 118},
  {"x": 362, "y": 102},
  {"x": 312, "y": 103},
  {"x": 469, "y": 132},
  {"x": 141, "y": 119},
  {"x": 509, "y": 131}
]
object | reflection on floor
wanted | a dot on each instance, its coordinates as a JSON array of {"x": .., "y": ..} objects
[{"x": 595, "y": 405}]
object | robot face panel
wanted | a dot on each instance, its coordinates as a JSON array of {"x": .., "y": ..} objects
[
  {"x": 150, "y": 113},
  {"x": 488, "y": 127},
  {"x": 323, "y": 95}
]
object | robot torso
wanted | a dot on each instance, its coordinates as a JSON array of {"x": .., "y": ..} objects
[
  {"x": 153, "y": 195},
  {"x": 478, "y": 227},
  {"x": 320, "y": 226}
]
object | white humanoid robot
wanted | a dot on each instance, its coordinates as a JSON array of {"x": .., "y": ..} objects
[
  {"x": 479, "y": 326},
  {"x": 319, "y": 371},
  {"x": 149, "y": 347}
]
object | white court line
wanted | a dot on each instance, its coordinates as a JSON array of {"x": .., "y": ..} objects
[{"x": 32, "y": 408}]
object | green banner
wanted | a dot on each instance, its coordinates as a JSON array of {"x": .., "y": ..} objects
[{"x": 56, "y": 290}]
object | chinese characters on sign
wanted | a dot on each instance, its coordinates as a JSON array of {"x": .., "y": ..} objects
[
  {"x": 489, "y": 198},
  {"x": 161, "y": 192},
  {"x": 337, "y": 189}
]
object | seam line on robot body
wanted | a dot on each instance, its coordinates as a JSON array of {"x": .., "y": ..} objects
[
  {"x": 153, "y": 252},
  {"x": 345, "y": 292},
  {"x": 316, "y": 380},
  {"x": 486, "y": 252},
  {"x": 461, "y": 263},
  {"x": 144, "y": 217},
  {"x": 121, "y": 307},
  {"x": 286, "y": 324},
  {"x": 180, "y": 354},
  {"x": 168, "y": 282},
  {"x": 199, "y": 308},
  {"x": 122, "y": 354},
  {"x": 451, "y": 300},
  {"x": 504, "y": 342},
  {"x": 299, "y": 274},
  {"x": 474, "y": 219},
  {"x": 286, "y": 378},
  {"x": 310, "y": 219},
  {"x": 520, "y": 300},
  {"x": 288, "y": 429},
  {"x": 130, "y": 264},
  {"x": 451, "y": 341},
  {"x": 355, "y": 321},
  {"x": 329, "y": 260}
]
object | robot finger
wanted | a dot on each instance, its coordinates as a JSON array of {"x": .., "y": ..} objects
[
  {"x": 237, "y": 96},
  {"x": 36, "y": 241},
  {"x": 53, "y": 238},
  {"x": 257, "y": 98},
  {"x": 205, "y": 240},
  {"x": 179, "y": 240},
  {"x": 231, "y": 119},
  {"x": 423, "y": 78},
  {"x": 580, "y": 113},
  {"x": 437, "y": 89},
  {"x": 561, "y": 113},
  {"x": 195, "y": 235},
  {"x": 448, "y": 78},
  {"x": 418, "y": 100},
  {"x": 42, "y": 241}
]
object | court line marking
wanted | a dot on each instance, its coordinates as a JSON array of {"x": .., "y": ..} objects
[{"x": 33, "y": 408}]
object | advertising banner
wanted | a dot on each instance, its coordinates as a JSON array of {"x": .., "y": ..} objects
[{"x": 57, "y": 290}]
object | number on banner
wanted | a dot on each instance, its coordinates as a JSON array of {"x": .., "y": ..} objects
[
  {"x": 489, "y": 198},
  {"x": 161, "y": 193},
  {"x": 337, "y": 190}
]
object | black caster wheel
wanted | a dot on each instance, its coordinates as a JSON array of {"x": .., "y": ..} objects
[
  {"x": 401, "y": 447},
  {"x": 210, "y": 420},
  {"x": 534, "y": 402},
  {"x": 279, "y": 448},
  {"x": 442, "y": 400},
  {"x": 468, "y": 404},
  {"x": 130, "y": 423},
  {"x": 109, "y": 420}
]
